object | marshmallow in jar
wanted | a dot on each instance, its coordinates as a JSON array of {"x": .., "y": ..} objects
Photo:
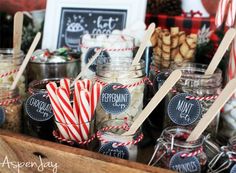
[
  {"x": 229, "y": 118},
  {"x": 122, "y": 94},
  {"x": 113, "y": 143},
  {"x": 115, "y": 45}
]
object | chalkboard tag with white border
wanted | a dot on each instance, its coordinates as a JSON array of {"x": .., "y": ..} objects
[
  {"x": 183, "y": 111},
  {"x": 38, "y": 107},
  {"x": 2, "y": 116},
  {"x": 114, "y": 151},
  {"x": 101, "y": 59},
  {"x": 115, "y": 100},
  {"x": 233, "y": 169},
  {"x": 184, "y": 164}
]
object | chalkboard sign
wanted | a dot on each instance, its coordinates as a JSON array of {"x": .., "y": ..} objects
[{"x": 75, "y": 22}]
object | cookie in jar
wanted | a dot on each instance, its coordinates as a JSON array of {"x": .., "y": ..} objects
[{"x": 10, "y": 108}]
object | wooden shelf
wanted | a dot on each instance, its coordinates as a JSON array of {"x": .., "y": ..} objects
[{"x": 22, "y": 149}]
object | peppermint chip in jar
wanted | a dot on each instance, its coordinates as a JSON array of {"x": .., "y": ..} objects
[
  {"x": 122, "y": 94},
  {"x": 114, "y": 46}
]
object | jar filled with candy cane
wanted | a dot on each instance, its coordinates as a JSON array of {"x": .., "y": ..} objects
[
  {"x": 173, "y": 152},
  {"x": 225, "y": 160},
  {"x": 10, "y": 108},
  {"x": 123, "y": 90},
  {"x": 114, "y": 46},
  {"x": 10, "y": 66},
  {"x": 113, "y": 143},
  {"x": 192, "y": 96},
  {"x": 38, "y": 114}
]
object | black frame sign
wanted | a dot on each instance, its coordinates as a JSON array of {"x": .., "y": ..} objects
[{"x": 75, "y": 22}]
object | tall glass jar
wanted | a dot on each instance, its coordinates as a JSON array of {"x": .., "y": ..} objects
[
  {"x": 38, "y": 116},
  {"x": 10, "y": 108},
  {"x": 225, "y": 160},
  {"x": 122, "y": 94},
  {"x": 192, "y": 96},
  {"x": 173, "y": 152},
  {"x": 9, "y": 68}
]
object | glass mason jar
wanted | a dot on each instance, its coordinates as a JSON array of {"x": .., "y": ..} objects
[
  {"x": 173, "y": 152},
  {"x": 192, "y": 96},
  {"x": 113, "y": 143},
  {"x": 38, "y": 114},
  {"x": 114, "y": 46},
  {"x": 9, "y": 68},
  {"x": 122, "y": 94},
  {"x": 225, "y": 160},
  {"x": 10, "y": 108}
]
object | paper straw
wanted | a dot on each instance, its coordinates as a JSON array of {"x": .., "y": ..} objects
[{"x": 221, "y": 12}]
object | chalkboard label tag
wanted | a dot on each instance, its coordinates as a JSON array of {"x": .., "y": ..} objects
[
  {"x": 184, "y": 164},
  {"x": 2, "y": 116},
  {"x": 38, "y": 107},
  {"x": 114, "y": 151},
  {"x": 183, "y": 111},
  {"x": 115, "y": 100}
]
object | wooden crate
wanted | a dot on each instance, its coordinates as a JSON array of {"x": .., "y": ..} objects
[{"x": 17, "y": 148}]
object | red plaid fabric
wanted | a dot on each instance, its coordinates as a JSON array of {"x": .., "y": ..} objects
[{"x": 187, "y": 24}]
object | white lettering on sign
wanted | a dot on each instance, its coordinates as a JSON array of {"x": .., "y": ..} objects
[
  {"x": 186, "y": 167},
  {"x": 104, "y": 26},
  {"x": 42, "y": 107},
  {"x": 184, "y": 108},
  {"x": 118, "y": 100}
]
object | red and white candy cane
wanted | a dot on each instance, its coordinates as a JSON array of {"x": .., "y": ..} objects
[
  {"x": 193, "y": 153},
  {"x": 76, "y": 111},
  {"x": 87, "y": 84},
  {"x": 232, "y": 61},
  {"x": 95, "y": 94},
  {"x": 221, "y": 12},
  {"x": 230, "y": 21},
  {"x": 65, "y": 83},
  {"x": 9, "y": 73},
  {"x": 85, "y": 113},
  {"x": 58, "y": 114}
]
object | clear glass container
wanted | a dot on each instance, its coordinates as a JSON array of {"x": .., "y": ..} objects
[
  {"x": 113, "y": 143},
  {"x": 225, "y": 160},
  {"x": 172, "y": 151},
  {"x": 9, "y": 68},
  {"x": 10, "y": 108},
  {"x": 192, "y": 96},
  {"x": 123, "y": 91},
  {"x": 38, "y": 114},
  {"x": 114, "y": 46}
]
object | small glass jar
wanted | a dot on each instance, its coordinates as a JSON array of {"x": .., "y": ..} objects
[
  {"x": 225, "y": 160},
  {"x": 38, "y": 114},
  {"x": 173, "y": 152},
  {"x": 123, "y": 91},
  {"x": 10, "y": 108},
  {"x": 9, "y": 68},
  {"x": 114, "y": 46},
  {"x": 192, "y": 96},
  {"x": 114, "y": 144}
]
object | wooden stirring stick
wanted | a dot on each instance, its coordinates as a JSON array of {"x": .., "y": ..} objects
[
  {"x": 165, "y": 88},
  {"x": 224, "y": 96},
  {"x": 87, "y": 66},
  {"x": 17, "y": 33},
  {"x": 26, "y": 60},
  {"x": 144, "y": 43},
  {"x": 228, "y": 38}
]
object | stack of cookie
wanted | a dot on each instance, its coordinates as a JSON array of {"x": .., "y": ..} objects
[{"x": 172, "y": 46}]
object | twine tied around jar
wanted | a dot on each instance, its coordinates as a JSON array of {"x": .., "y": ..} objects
[
  {"x": 142, "y": 81},
  {"x": 9, "y": 73},
  {"x": 169, "y": 148},
  {"x": 111, "y": 49},
  {"x": 118, "y": 144},
  {"x": 59, "y": 137},
  {"x": 9, "y": 101},
  {"x": 225, "y": 152}
]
